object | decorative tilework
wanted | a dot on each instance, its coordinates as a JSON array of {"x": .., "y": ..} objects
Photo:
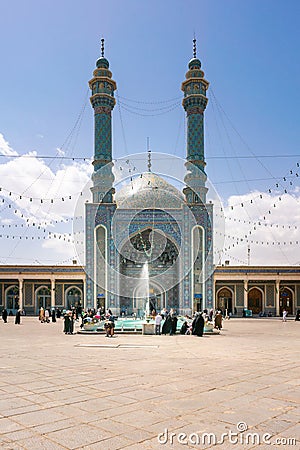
[
  {"x": 270, "y": 295},
  {"x": 102, "y": 140}
]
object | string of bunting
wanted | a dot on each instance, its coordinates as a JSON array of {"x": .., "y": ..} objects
[
  {"x": 70, "y": 197},
  {"x": 32, "y": 222},
  {"x": 247, "y": 240},
  {"x": 143, "y": 102},
  {"x": 37, "y": 228},
  {"x": 252, "y": 200},
  {"x": 272, "y": 191},
  {"x": 41, "y": 200},
  {"x": 150, "y": 115},
  {"x": 279, "y": 181},
  {"x": 62, "y": 237},
  {"x": 57, "y": 158},
  {"x": 137, "y": 109},
  {"x": 66, "y": 143},
  {"x": 46, "y": 261},
  {"x": 256, "y": 223},
  {"x": 226, "y": 254}
]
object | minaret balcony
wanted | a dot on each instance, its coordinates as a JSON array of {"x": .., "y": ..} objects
[
  {"x": 195, "y": 100},
  {"x": 192, "y": 80},
  {"x": 103, "y": 80},
  {"x": 104, "y": 100}
]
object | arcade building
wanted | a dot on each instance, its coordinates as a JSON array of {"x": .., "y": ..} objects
[{"x": 259, "y": 289}]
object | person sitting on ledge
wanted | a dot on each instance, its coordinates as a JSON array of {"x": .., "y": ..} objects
[{"x": 184, "y": 328}]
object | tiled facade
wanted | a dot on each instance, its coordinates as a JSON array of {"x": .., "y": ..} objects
[{"x": 193, "y": 209}]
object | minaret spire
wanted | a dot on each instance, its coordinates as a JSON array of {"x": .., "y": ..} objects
[
  {"x": 194, "y": 47},
  {"x": 102, "y": 48}
]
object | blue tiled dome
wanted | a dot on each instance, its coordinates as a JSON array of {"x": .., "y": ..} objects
[{"x": 149, "y": 191}]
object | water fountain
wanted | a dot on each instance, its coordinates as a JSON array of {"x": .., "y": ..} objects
[
  {"x": 145, "y": 288},
  {"x": 147, "y": 327}
]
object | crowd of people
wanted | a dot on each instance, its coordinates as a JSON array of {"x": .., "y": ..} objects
[
  {"x": 47, "y": 315},
  {"x": 192, "y": 325},
  {"x": 165, "y": 321}
]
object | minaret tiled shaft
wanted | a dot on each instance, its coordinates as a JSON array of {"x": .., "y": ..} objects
[
  {"x": 103, "y": 102},
  {"x": 194, "y": 103}
]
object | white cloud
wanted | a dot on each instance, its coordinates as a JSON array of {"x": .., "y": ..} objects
[
  {"x": 5, "y": 148},
  {"x": 60, "y": 245},
  {"x": 267, "y": 224},
  {"x": 39, "y": 192}
]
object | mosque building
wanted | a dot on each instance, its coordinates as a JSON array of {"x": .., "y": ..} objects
[
  {"x": 149, "y": 242},
  {"x": 167, "y": 230}
]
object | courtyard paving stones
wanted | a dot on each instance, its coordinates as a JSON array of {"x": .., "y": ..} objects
[{"x": 82, "y": 392}]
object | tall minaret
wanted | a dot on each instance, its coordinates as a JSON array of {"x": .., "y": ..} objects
[
  {"x": 103, "y": 102},
  {"x": 194, "y": 103}
]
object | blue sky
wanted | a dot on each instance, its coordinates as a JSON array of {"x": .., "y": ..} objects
[{"x": 249, "y": 52}]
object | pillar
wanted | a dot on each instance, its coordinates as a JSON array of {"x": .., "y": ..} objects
[
  {"x": 246, "y": 294},
  {"x": 52, "y": 293},
  {"x": 277, "y": 294},
  {"x": 84, "y": 294},
  {"x": 20, "y": 293}
]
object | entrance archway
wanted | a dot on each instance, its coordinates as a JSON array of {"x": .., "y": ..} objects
[
  {"x": 134, "y": 253},
  {"x": 73, "y": 297},
  {"x": 224, "y": 300},
  {"x": 286, "y": 297},
  {"x": 43, "y": 298},
  {"x": 255, "y": 300},
  {"x": 12, "y": 299}
]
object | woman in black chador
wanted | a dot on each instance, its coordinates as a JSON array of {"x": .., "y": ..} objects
[
  {"x": 174, "y": 324},
  {"x": 67, "y": 323},
  {"x": 198, "y": 325},
  {"x": 167, "y": 326},
  {"x": 53, "y": 315},
  {"x": 18, "y": 317},
  {"x": 4, "y": 315},
  {"x": 170, "y": 324}
]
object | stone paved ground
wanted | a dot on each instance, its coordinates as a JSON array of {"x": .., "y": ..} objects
[{"x": 91, "y": 392}]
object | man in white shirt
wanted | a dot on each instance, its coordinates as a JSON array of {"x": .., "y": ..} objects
[{"x": 158, "y": 319}]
